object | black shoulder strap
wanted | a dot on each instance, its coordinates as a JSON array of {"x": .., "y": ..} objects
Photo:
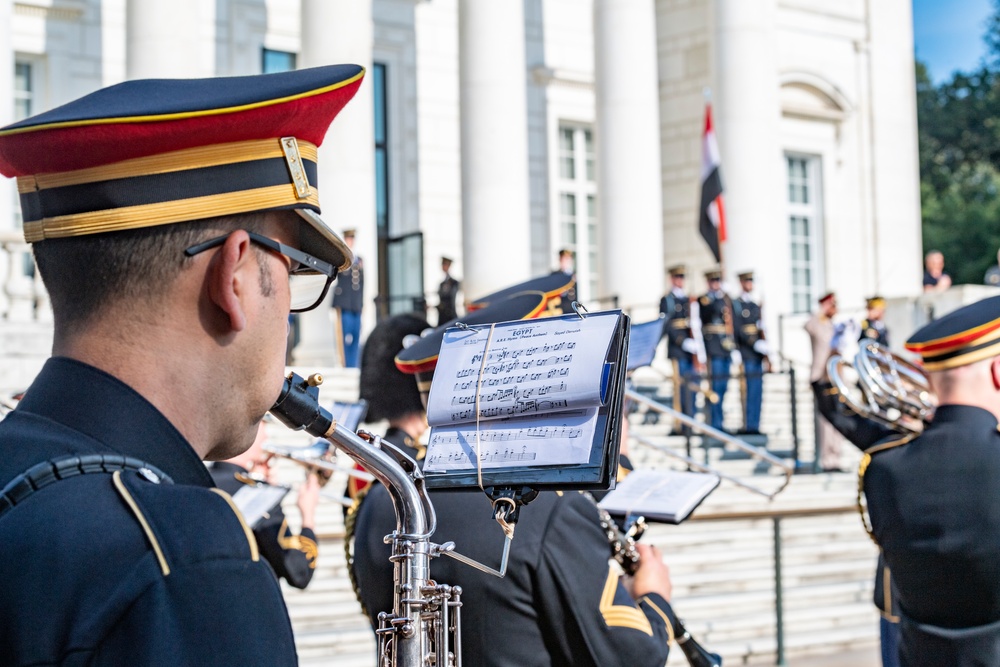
[{"x": 49, "y": 472}]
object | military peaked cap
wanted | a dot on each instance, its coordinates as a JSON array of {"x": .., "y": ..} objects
[
  {"x": 962, "y": 337},
  {"x": 159, "y": 151},
  {"x": 678, "y": 270},
  {"x": 420, "y": 359},
  {"x": 552, "y": 285}
]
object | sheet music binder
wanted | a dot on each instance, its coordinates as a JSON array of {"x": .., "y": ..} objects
[{"x": 601, "y": 467}]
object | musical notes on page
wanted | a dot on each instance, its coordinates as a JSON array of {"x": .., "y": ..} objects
[
  {"x": 521, "y": 368},
  {"x": 563, "y": 438}
]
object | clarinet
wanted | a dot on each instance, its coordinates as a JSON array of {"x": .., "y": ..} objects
[{"x": 624, "y": 552}]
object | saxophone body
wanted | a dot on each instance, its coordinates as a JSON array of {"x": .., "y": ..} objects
[{"x": 423, "y": 629}]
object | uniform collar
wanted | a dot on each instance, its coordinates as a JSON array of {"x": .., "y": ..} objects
[
  {"x": 678, "y": 292},
  {"x": 96, "y": 404},
  {"x": 968, "y": 416}
]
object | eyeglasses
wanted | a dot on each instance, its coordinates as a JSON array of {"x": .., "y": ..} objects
[{"x": 309, "y": 278}]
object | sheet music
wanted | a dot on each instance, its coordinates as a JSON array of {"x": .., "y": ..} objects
[
  {"x": 642, "y": 341},
  {"x": 256, "y": 501},
  {"x": 562, "y": 438},
  {"x": 532, "y": 367},
  {"x": 660, "y": 495}
]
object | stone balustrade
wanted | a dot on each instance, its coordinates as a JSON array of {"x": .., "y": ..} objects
[{"x": 23, "y": 297}]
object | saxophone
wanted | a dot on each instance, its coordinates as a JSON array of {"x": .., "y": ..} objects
[{"x": 424, "y": 628}]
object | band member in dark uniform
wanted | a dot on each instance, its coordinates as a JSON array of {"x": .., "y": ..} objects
[
  {"x": 715, "y": 313},
  {"x": 872, "y": 327},
  {"x": 682, "y": 348},
  {"x": 389, "y": 391},
  {"x": 560, "y": 603},
  {"x": 348, "y": 300},
  {"x": 931, "y": 498},
  {"x": 291, "y": 556},
  {"x": 747, "y": 328},
  {"x": 173, "y": 222},
  {"x": 447, "y": 293}
]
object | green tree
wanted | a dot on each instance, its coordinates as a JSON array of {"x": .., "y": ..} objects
[{"x": 959, "y": 138}]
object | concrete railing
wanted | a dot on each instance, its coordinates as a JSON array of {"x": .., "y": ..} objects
[{"x": 22, "y": 297}]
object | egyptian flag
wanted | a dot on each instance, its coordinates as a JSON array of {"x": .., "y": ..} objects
[{"x": 712, "y": 217}]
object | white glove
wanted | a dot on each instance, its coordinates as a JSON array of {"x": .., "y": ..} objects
[
  {"x": 736, "y": 357},
  {"x": 690, "y": 345},
  {"x": 760, "y": 347}
]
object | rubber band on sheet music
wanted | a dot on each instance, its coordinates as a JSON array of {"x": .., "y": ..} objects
[{"x": 479, "y": 388}]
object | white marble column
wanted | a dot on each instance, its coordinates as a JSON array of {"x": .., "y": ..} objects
[
  {"x": 747, "y": 114},
  {"x": 169, "y": 39},
  {"x": 895, "y": 169},
  {"x": 336, "y": 32},
  {"x": 629, "y": 183},
  {"x": 8, "y": 189},
  {"x": 496, "y": 237}
]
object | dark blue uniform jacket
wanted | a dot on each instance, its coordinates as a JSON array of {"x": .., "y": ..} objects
[
  {"x": 103, "y": 569},
  {"x": 561, "y": 603}
]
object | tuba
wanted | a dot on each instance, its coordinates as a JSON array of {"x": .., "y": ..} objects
[
  {"x": 884, "y": 387},
  {"x": 423, "y": 628}
]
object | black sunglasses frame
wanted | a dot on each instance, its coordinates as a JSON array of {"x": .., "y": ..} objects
[{"x": 307, "y": 264}]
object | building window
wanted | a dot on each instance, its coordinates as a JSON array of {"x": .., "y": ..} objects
[
  {"x": 805, "y": 229},
  {"x": 22, "y": 90},
  {"x": 578, "y": 204},
  {"x": 381, "y": 150},
  {"x": 277, "y": 61}
]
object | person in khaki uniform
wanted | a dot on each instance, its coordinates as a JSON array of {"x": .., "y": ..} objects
[{"x": 821, "y": 330}]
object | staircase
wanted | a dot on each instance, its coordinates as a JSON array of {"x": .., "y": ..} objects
[{"x": 722, "y": 570}]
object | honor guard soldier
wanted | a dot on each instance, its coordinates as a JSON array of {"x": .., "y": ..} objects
[
  {"x": 447, "y": 293},
  {"x": 175, "y": 225},
  {"x": 348, "y": 299},
  {"x": 747, "y": 328},
  {"x": 682, "y": 348},
  {"x": 715, "y": 314},
  {"x": 872, "y": 327},
  {"x": 560, "y": 602}
]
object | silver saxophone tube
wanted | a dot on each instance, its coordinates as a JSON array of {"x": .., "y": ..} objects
[{"x": 423, "y": 628}]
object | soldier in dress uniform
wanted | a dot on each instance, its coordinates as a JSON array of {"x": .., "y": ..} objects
[
  {"x": 747, "y": 327},
  {"x": 292, "y": 557},
  {"x": 872, "y": 327},
  {"x": 348, "y": 299},
  {"x": 389, "y": 392},
  {"x": 175, "y": 225},
  {"x": 715, "y": 314},
  {"x": 682, "y": 348},
  {"x": 560, "y": 602},
  {"x": 447, "y": 293},
  {"x": 931, "y": 497}
]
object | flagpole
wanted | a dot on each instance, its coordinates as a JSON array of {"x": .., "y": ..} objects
[{"x": 707, "y": 94}]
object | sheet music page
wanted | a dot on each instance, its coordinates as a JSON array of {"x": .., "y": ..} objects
[
  {"x": 562, "y": 438},
  {"x": 642, "y": 342},
  {"x": 256, "y": 501},
  {"x": 532, "y": 367},
  {"x": 664, "y": 495}
]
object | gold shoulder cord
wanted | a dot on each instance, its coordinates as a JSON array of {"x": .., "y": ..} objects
[
  {"x": 350, "y": 527},
  {"x": 862, "y": 469}
]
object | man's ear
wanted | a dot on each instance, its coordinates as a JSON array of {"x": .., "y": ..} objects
[
  {"x": 995, "y": 372},
  {"x": 229, "y": 276}
]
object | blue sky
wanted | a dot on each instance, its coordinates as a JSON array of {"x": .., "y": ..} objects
[{"x": 948, "y": 34}]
